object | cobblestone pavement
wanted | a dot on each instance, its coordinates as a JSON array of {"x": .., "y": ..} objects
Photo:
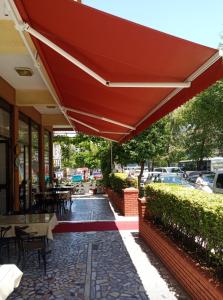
[
  {"x": 105, "y": 265},
  {"x": 87, "y": 208},
  {"x": 96, "y": 265},
  {"x": 83, "y": 266}
]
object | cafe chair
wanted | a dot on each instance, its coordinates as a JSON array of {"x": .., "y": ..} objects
[
  {"x": 40, "y": 202},
  {"x": 30, "y": 243},
  {"x": 4, "y": 242}
]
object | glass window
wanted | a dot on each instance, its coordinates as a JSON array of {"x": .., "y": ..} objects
[
  {"x": 35, "y": 136},
  {"x": 219, "y": 182},
  {"x": 35, "y": 157},
  {"x": 46, "y": 141},
  {"x": 47, "y": 156},
  {"x": 23, "y": 132},
  {"x": 4, "y": 123},
  {"x": 24, "y": 163}
]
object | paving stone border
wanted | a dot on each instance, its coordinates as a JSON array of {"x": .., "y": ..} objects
[
  {"x": 83, "y": 266},
  {"x": 97, "y": 265}
]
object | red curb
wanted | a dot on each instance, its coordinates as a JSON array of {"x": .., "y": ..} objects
[{"x": 96, "y": 226}]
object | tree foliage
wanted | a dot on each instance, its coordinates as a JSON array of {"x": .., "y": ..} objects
[
  {"x": 66, "y": 149},
  {"x": 193, "y": 131},
  {"x": 149, "y": 145},
  {"x": 80, "y": 151},
  {"x": 202, "y": 123}
]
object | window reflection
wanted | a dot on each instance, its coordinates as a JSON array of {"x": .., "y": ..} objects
[
  {"x": 47, "y": 157},
  {"x": 4, "y": 123},
  {"x": 35, "y": 157}
]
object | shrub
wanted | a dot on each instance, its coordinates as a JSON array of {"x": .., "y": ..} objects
[
  {"x": 120, "y": 181},
  {"x": 100, "y": 182},
  {"x": 106, "y": 166},
  {"x": 131, "y": 182},
  {"x": 193, "y": 213}
]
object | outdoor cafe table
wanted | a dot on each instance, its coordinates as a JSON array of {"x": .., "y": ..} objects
[
  {"x": 55, "y": 194},
  {"x": 69, "y": 189},
  {"x": 42, "y": 224},
  {"x": 10, "y": 277}
]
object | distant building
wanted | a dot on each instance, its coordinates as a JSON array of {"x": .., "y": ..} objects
[{"x": 57, "y": 156}]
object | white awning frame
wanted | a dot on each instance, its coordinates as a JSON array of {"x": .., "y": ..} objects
[
  {"x": 27, "y": 28},
  {"x": 97, "y": 130},
  {"x": 98, "y": 117}
]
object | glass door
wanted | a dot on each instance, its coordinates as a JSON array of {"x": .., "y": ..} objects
[
  {"x": 24, "y": 163},
  {"x": 4, "y": 180},
  {"x": 24, "y": 177}
]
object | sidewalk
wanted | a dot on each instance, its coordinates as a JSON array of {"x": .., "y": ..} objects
[{"x": 104, "y": 265}]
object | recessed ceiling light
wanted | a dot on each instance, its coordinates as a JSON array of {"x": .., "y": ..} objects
[
  {"x": 5, "y": 10},
  {"x": 22, "y": 71}
]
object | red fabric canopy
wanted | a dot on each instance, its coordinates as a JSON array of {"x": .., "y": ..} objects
[{"x": 120, "y": 51}]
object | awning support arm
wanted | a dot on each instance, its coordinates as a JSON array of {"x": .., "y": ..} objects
[
  {"x": 97, "y": 130},
  {"x": 192, "y": 77},
  {"x": 108, "y": 139},
  {"x": 26, "y": 27},
  {"x": 84, "y": 124},
  {"x": 115, "y": 132},
  {"x": 98, "y": 117}
]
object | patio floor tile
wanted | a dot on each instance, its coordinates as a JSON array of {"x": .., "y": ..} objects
[{"x": 105, "y": 265}]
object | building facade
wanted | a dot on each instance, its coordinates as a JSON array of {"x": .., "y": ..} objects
[{"x": 25, "y": 153}]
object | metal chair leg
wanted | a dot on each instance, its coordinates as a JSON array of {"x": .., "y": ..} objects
[{"x": 44, "y": 260}]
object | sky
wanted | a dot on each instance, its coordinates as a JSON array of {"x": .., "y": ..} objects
[{"x": 200, "y": 21}]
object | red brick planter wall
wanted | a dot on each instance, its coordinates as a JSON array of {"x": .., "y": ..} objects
[
  {"x": 116, "y": 200},
  {"x": 196, "y": 281},
  {"x": 127, "y": 204},
  {"x": 131, "y": 202}
]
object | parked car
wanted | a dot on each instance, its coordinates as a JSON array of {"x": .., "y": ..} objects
[
  {"x": 218, "y": 182},
  {"x": 207, "y": 177},
  {"x": 97, "y": 175},
  {"x": 168, "y": 170},
  {"x": 144, "y": 178},
  {"x": 172, "y": 179},
  {"x": 149, "y": 178},
  {"x": 77, "y": 178}
]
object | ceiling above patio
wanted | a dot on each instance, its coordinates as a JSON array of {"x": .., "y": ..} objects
[
  {"x": 31, "y": 90},
  {"x": 113, "y": 78}
]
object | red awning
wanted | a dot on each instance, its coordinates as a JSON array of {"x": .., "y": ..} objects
[{"x": 118, "y": 51}]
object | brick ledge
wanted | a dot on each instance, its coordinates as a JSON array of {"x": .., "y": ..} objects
[{"x": 198, "y": 283}]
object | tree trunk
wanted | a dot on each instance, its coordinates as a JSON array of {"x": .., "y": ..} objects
[
  {"x": 200, "y": 161},
  {"x": 142, "y": 163}
]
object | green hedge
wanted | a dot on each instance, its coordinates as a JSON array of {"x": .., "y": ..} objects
[
  {"x": 120, "y": 181},
  {"x": 194, "y": 213},
  {"x": 100, "y": 182}
]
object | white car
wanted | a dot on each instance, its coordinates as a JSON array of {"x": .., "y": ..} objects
[
  {"x": 218, "y": 182},
  {"x": 168, "y": 170},
  {"x": 149, "y": 178}
]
